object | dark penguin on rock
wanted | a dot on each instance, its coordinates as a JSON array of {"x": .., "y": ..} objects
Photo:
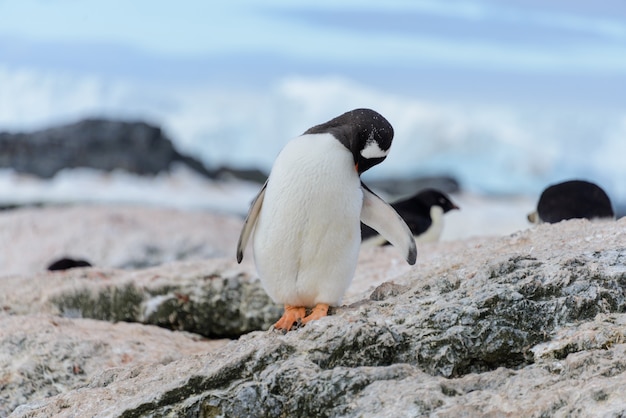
[
  {"x": 422, "y": 212},
  {"x": 67, "y": 263},
  {"x": 307, "y": 216},
  {"x": 571, "y": 200}
]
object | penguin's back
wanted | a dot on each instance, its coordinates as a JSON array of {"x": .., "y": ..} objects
[{"x": 574, "y": 199}]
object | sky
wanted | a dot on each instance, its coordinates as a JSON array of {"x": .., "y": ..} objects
[
  {"x": 572, "y": 51},
  {"x": 335, "y": 29},
  {"x": 505, "y": 95}
]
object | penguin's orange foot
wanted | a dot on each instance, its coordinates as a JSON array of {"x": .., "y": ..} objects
[
  {"x": 292, "y": 315},
  {"x": 320, "y": 311}
]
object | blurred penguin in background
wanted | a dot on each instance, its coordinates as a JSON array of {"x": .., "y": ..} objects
[
  {"x": 571, "y": 200},
  {"x": 67, "y": 263},
  {"x": 422, "y": 212}
]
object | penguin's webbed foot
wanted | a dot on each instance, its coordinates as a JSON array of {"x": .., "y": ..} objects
[
  {"x": 320, "y": 311},
  {"x": 292, "y": 315}
]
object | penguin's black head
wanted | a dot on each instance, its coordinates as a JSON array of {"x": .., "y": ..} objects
[
  {"x": 366, "y": 133},
  {"x": 432, "y": 197}
]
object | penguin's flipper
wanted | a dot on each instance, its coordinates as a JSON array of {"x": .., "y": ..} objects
[
  {"x": 248, "y": 225},
  {"x": 378, "y": 214}
]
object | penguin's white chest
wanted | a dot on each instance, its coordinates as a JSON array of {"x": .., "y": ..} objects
[
  {"x": 307, "y": 237},
  {"x": 433, "y": 233}
]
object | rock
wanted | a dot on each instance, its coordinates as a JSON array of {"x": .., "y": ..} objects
[
  {"x": 44, "y": 355},
  {"x": 532, "y": 324},
  {"x": 121, "y": 237},
  {"x": 136, "y": 147},
  {"x": 216, "y": 298},
  {"x": 247, "y": 174},
  {"x": 403, "y": 187},
  {"x": 104, "y": 144}
]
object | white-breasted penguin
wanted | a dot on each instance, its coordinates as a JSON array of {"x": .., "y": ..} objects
[
  {"x": 306, "y": 218},
  {"x": 423, "y": 213},
  {"x": 570, "y": 200}
]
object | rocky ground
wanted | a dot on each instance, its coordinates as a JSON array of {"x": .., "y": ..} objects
[{"x": 528, "y": 324}]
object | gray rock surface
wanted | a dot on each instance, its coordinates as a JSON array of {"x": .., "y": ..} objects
[
  {"x": 532, "y": 324},
  {"x": 216, "y": 298},
  {"x": 44, "y": 355}
]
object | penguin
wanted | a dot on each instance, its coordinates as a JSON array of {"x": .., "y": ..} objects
[
  {"x": 572, "y": 199},
  {"x": 423, "y": 213},
  {"x": 306, "y": 217},
  {"x": 66, "y": 263}
]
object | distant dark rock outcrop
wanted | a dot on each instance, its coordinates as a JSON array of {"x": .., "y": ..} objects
[
  {"x": 404, "y": 187},
  {"x": 136, "y": 147}
]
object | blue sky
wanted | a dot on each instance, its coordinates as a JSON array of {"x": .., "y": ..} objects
[{"x": 557, "y": 46}]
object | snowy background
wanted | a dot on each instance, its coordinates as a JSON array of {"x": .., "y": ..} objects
[{"x": 507, "y": 97}]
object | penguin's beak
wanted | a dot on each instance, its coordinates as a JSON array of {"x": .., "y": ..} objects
[{"x": 356, "y": 167}]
